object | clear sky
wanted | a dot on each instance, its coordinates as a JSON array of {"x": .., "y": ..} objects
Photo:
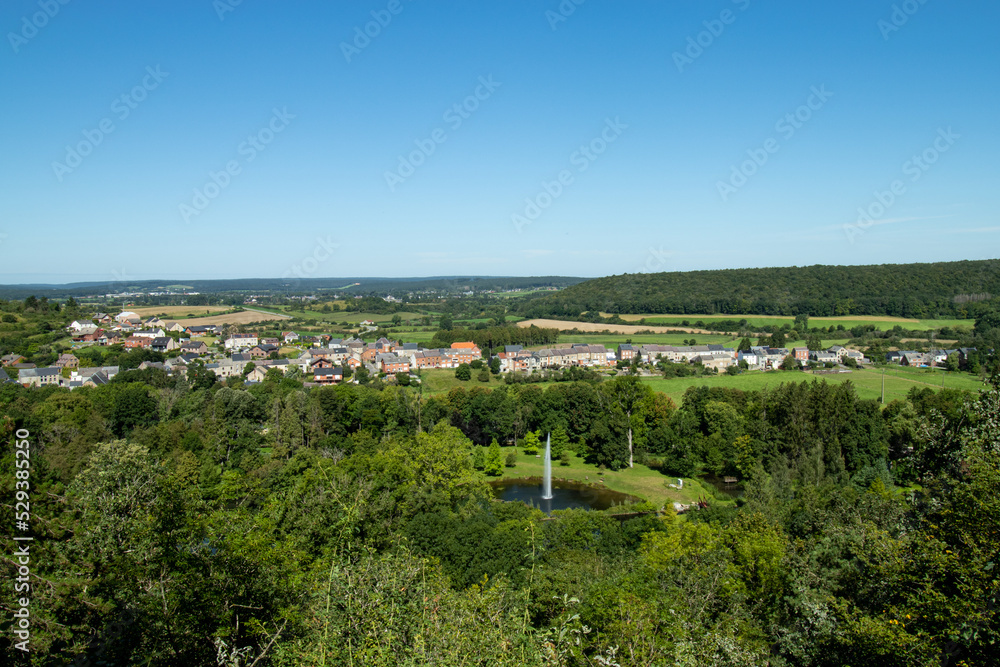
[{"x": 200, "y": 139}]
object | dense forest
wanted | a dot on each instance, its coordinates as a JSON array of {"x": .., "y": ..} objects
[
  {"x": 943, "y": 289},
  {"x": 182, "y": 521}
]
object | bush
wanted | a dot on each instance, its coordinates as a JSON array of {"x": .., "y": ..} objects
[
  {"x": 511, "y": 460},
  {"x": 565, "y": 458},
  {"x": 476, "y": 364},
  {"x": 463, "y": 372},
  {"x": 484, "y": 375}
]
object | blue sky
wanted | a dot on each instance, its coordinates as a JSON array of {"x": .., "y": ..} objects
[{"x": 201, "y": 139}]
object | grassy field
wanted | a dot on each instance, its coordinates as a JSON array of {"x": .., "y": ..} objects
[
  {"x": 639, "y": 481},
  {"x": 867, "y": 383},
  {"x": 177, "y": 312},
  {"x": 883, "y": 323},
  {"x": 443, "y": 380},
  {"x": 244, "y": 317}
]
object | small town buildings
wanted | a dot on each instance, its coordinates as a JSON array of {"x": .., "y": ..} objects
[
  {"x": 240, "y": 341},
  {"x": 390, "y": 363},
  {"x": 194, "y": 347},
  {"x": 67, "y": 360},
  {"x": 11, "y": 359},
  {"x": 163, "y": 344},
  {"x": 472, "y": 348},
  {"x": 328, "y": 375},
  {"x": 40, "y": 377},
  {"x": 626, "y": 352},
  {"x": 823, "y": 357},
  {"x": 262, "y": 351},
  {"x": 133, "y": 342},
  {"x": 289, "y": 337}
]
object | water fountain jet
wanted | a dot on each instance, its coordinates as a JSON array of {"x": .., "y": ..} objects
[{"x": 547, "y": 480}]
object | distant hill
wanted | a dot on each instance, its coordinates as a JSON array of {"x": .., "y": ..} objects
[
  {"x": 277, "y": 286},
  {"x": 953, "y": 289}
]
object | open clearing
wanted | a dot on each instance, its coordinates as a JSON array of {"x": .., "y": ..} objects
[
  {"x": 867, "y": 383},
  {"x": 245, "y": 317},
  {"x": 563, "y": 325},
  {"x": 639, "y": 481},
  {"x": 170, "y": 312}
]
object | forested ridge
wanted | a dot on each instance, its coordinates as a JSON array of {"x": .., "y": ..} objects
[
  {"x": 186, "y": 521},
  {"x": 942, "y": 289}
]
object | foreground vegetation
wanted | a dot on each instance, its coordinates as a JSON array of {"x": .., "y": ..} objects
[{"x": 186, "y": 521}]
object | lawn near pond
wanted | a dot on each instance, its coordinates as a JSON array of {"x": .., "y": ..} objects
[
  {"x": 639, "y": 481},
  {"x": 867, "y": 382}
]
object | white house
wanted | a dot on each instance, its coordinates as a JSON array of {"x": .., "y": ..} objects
[{"x": 238, "y": 341}]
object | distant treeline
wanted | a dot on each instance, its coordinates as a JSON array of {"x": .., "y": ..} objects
[
  {"x": 945, "y": 289},
  {"x": 340, "y": 287},
  {"x": 494, "y": 337}
]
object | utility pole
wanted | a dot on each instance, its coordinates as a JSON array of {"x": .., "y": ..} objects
[{"x": 883, "y": 385}]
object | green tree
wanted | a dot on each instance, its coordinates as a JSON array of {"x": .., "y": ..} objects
[
  {"x": 478, "y": 457},
  {"x": 530, "y": 443},
  {"x": 463, "y": 372},
  {"x": 446, "y": 323},
  {"x": 627, "y": 398},
  {"x": 495, "y": 365},
  {"x": 494, "y": 460},
  {"x": 745, "y": 345},
  {"x": 789, "y": 363},
  {"x": 483, "y": 375}
]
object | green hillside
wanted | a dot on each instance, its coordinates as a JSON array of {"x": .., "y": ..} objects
[{"x": 942, "y": 289}]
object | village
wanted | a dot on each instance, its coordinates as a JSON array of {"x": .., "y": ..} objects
[{"x": 322, "y": 359}]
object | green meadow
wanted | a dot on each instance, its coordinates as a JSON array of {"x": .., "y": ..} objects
[{"x": 867, "y": 383}]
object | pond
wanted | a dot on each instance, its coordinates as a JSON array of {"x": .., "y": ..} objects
[{"x": 565, "y": 494}]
